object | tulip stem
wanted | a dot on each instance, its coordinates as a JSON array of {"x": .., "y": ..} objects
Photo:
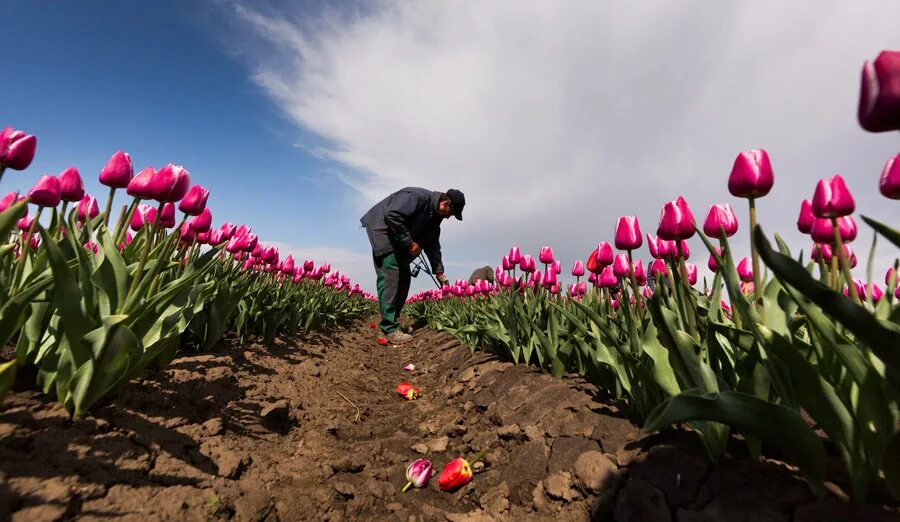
[
  {"x": 726, "y": 251},
  {"x": 689, "y": 308},
  {"x": 406, "y": 487},
  {"x": 61, "y": 218},
  {"x": 845, "y": 267},
  {"x": 149, "y": 228},
  {"x": 26, "y": 244},
  {"x": 109, "y": 202},
  {"x": 122, "y": 227},
  {"x": 638, "y": 301},
  {"x": 757, "y": 286}
]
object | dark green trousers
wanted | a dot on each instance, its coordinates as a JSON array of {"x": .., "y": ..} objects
[{"x": 393, "y": 288}]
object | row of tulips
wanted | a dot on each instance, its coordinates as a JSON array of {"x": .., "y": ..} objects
[{"x": 90, "y": 305}]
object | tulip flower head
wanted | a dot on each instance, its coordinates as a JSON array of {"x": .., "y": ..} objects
[
  {"x": 216, "y": 237},
  {"x": 608, "y": 278},
  {"x": 605, "y": 254},
  {"x": 620, "y": 265},
  {"x": 194, "y": 201},
  {"x": 170, "y": 183},
  {"x": 751, "y": 175},
  {"x": 71, "y": 187},
  {"x": 806, "y": 218},
  {"x": 515, "y": 256},
  {"x": 418, "y": 473},
  {"x": 822, "y": 252},
  {"x": 691, "y": 272},
  {"x": 203, "y": 221},
  {"x": 745, "y": 270},
  {"x": 24, "y": 224},
  {"x": 889, "y": 184},
  {"x": 823, "y": 232},
  {"x": 408, "y": 391},
  {"x": 712, "y": 264},
  {"x": 87, "y": 208},
  {"x": 890, "y": 276},
  {"x": 527, "y": 264},
  {"x": 628, "y": 233},
  {"x": 546, "y": 255},
  {"x": 410, "y": 367},
  {"x": 676, "y": 221},
  {"x": 658, "y": 268},
  {"x": 456, "y": 474},
  {"x": 506, "y": 264},
  {"x": 46, "y": 192},
  {"x": 118, "y": 171},
  {"x": 167, "y": 216},
  {"x": 578, "y": 268},
  {"x": 11, "y": 199},
  {"x": 228, "y": 229},
  {"x": 832, "y": 198},
  {"x": 719, "y": 218},
  {"x": 144, "y": 215},
  {"x": 16, "y": 149},
  {"x": 140, "y": 186},
  {"x": 593, "y": 265},
  {"x": 879, "y": 94},
  {"x": 639, "y": 274}
]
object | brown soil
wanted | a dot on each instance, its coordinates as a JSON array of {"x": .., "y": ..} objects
[{"x": 263, "y": 434}]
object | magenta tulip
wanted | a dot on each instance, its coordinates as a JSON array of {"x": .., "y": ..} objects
[
  {"x": 527, "y": 264},
  {"x": 555, "y": 267},
  {"x": 822, "y": 252},
  {"x": 546, "y": 255},
  {"x": 11, "y": 199},
  {"x": 720, "y": 217},
  {"x": 608, "y": 278},
  {"x": 745, "y": 270},
  {"x": 549, "y": 279},
  {"x": 850, "y": 256},
  {"x": 879, "y": 94},
  {"x": 187, "y": 234},
  {"x": 118, "y": 171},
  {"x": 16, "y": 149},
  {"x": 712, "y": 264},
  {"x": 309, "y": 265},
  {"x": 658, "y": 268},
  {"x": 889, "y": 184},
  {"x": 639, "y": 274},
  {"x": 144, "y": 215},
  {"x": 653, "y": 245},
  {"x": 170, "y": 183},
  {"x": 676, "y": 220},
  {"x": 71, "y": 187},
  {"x": 167, "y": 215},
  {"x": 87, "y": 208},
  {"x": 691, "y": 272},
  {"x": 24, "y": 224},
  {"x": 806, "y": 218},
  {"x": 751, "y": 175},
  {"x": 228, "y": 230},
  {"x": 194, "y": 201},
  {"x": 141, "y": 186},
  {"x": 202, "y": 237},
  {"x": 46, "y": 192},
  {"x": 888, "y": 276},
  {"x": 216, "y": 237},
  {"x": 515, "y": 257},
  {"x": 823, "y": 232},
  {"x": 578, "y": 269},
  {"x": 288, "y": 266},
  {"x": 203, "y": 221},
  {"x": 605, "y": 254},
  {"x": 620, "y": 265},
  {"x": 506, "y": 264},
  {"x": 685, "y": 250},
  {"x": 628, "y": 233},
  {"x": 832, "y": 198}
]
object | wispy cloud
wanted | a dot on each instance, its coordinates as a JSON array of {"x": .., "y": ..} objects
[{"x": 556, "y": 117}]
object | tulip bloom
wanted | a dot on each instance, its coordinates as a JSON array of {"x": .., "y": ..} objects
[
  {"x": 628, "y": 233},
  {"x": 605, "y": 254},
  {"x": 806, "y": 218},
  {"x": 410, "y": 367},
  {"x": 456, "y": 474},
  {"x": 889, "y": 184},
  {"x": 546, "y": 255},
  {"x": 832, "y": 199},
  {"x": 578, "y": 268},
  {"x": 823, "y": 231},
  {"x": 216, "y": 237},
  {"x": 194, "y": 201},
  {"x": 745, "y": 270},
  {"x": 24, "y": 224},
  {"x": 167, "y": 215},
  {"x": 621, "y": 266},
  {"x": 203, "y": 221},
  {"x": 888, "y": 276},
  {"x": 692, "y": 273},
  {"x": 608, "y": 278},
  {"x": 406, "y": 389},
  {"x": 46, "y": 192},
  {"x": 71, "y": 187},
  {"x": 11, "y": 199},
  {"x": 822, "y": 252},
  {"x": 639, "y": 274},
  {"x": 506, "y": 264},
  {"x": 144, "y": 215},
  {"x": 720, "y": 217},
  {"x": 418, "y": 473},
  {"x": 170, "y": 183},
  {"x": 118, "y": 171},
  {"x": 515, "y": 256},
  {"x": 527, "y": 264},
  {"x": 16, "y": 149},
  {"x": 228, "y": 229},
  {"x": 676, "y": 220},
  {"x": 140, "y": 186},
  {"x": 87, "y": 208},
  {"x": 288, "y": 266},
  {"x": 712, "y": 264},
  {"x": 658, "y": 268},
  {"x": 879, "y": 94},
  {"x": 751, "y": 175}
]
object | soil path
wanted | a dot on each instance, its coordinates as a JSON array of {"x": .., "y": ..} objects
[{"x": 263, "y": 434}]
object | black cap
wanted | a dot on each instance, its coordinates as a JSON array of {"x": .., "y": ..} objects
[{"x": 458, "y": 200}]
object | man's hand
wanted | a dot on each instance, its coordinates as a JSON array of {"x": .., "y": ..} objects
[
  {"x": 442, "y": 279},
  {"x": 414, "y": 249}
]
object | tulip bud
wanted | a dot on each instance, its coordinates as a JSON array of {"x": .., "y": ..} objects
[
  {"x": 849, "y": 255},
  {"x": 676, "y": 220},
  {"x": 691, "y": 273},
  {"x": 712, "y": 264},
  {"x": 251, "y": 241},
  {"x": 658, "y": 268},
  {"x": 11, "y": 199},
  {"x": 822, "y": 252},
  {"x": 170, "y": 183},
  {"x": 608, "y": 278},
  {"x": 71, "y": 187},
  {"x": 456, "y": 474},
  {"x": 823, "y": 232},
  {"x": 87, "y": 208},
  {"x": 578, "y": 268},
  {"x": 647, "y": 293},
  {"x": 167, "y": 215},
  {"x": 620, "y": 266},
  {"x": 888, "y": 276},
  {"x": 144, "y": 215},
  {"x": 24, "y": 224},
  {"x": 288, "y": 266},
  {"x": 45, "y": 193},
  {"x": 506, "y": 264},
  {"x": 879, "y": 94},
  {"x": 527, "y": 264},
  {"x": 806, "y": 218},
  {"x": 118, "y": 171},
  {"x": 228, "y": 229},
  {"x": 605, "y": 254},
  {"x": 751, "y": 175},
  {"x": 514, "y": 255},
  {"x": 745, "y": 270},
  {"x": 216, "y": 237},
  {"x": 406, "y": 389},
  {"x": 418, "y": 473},
  {"x": 639, "y": 274},
  {"x": 140, "y": 186},
  {"x": 593, "y": 265},
  {"x": 91, "y": 246},
  {"x": 555, "y": 267},
  {"x": 188, "y": 235},
  {"x": 889, "y": 184},
  {"x": 16, "y": 149},
  {"x": 194, "y": 201},
  {"x": 203, "y": 221},
  {"x": 546, "y": 255},
  {"x": 720, "y": 217},
  {"x": 746, "y": 287},
  {"x": 549, "y": 279},
  {"x": 832, "y": 199},
  {"x": 628, "y": 233}
]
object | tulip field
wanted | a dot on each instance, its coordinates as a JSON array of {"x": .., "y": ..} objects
[{"x": 158, "y": 365}]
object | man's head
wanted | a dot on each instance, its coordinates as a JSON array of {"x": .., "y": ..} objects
[{"x": 451, "y": 204}]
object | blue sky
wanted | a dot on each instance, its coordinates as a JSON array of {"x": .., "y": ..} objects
[{"x": 554, "y": 117}]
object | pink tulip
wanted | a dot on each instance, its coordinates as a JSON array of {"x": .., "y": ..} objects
[
  {"x": 236, "y": 245},
  {"x": 745, "y": 270},
  {"x": 888, "y": 276},
  {"x": 806, "y": 218},
  {"x": 578, "y": 269},
  {"x": 203, "y": 237},
  {"x": 832, "y": 199},
  {"x": 167, "y": 215},
  {"x": 170, "y": 183},
  {"x": 822, "y": 252},
  {"x": 691, "y": 272},
  {"x": 879, "y": 94},
  {"x": 639, "y": 274},
  {"x": 647, "y": 293},
  {"x": 203, "y": 221},
  {"x": 71, "y": 187},
  {"x": 91, "y": 246},
  {"x": 187, "y": 234},
  {"x": 555, "y": 267},
  {"x": 628, "y": 233},
  {"x": 620, "y": 265},
  {"x": 747, "y": 287},
  {"x": 16, "y": 149},
  {"x": 549, "y": 279},
  {"x": 87, "y": 208},
  {"x": 309, "y": 265},
  {"x": 216, "y": 237},
  {"x": 849, "y": 255},
  {"x": 251, "y": 243},
  {"x": 144, "y": 215},
  {"x": 515, "y": 256},
  {"x": 194, "y": 201},
  {"x": 228, "y": 230},
  {"x": 140, "y": 186},
  {"x": 676, "y": 220},
  {"x": 605, "y": 253},
  {"x": 751, "y": 175},
  {"x": 658, "y": 268},
  {"x": 269, "y": 254},
  {"x": 546, "y": 255},
  {"x": 685, "y": 250},
  {"x": 608, "y": 278},
  {"x": 712, "y": 264},
  {"x": 582, "y": 287},
  {"x": 46, "y": 192},
  {"x": 118, "y": 171},
  {"x": 876, "y": 293},
  {"x": 11, "y": 199},
  {"x": 592, "y": 277},
  {"x": 889, "y": 184},
  {"x": 128, "y": 240},
  {"x": 720, "y": 217},
  {"x": 288, "y": 266},
  {"x": 506, "y": 264},
  {"x": 24, "y": 224},
  {"x": 653, "y": 245},
  {"x": 823, "y": 232},
  {"x": 527, "y": 264}
]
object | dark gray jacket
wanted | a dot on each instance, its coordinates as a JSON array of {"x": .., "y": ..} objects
[{"x": 408, "y": 215}]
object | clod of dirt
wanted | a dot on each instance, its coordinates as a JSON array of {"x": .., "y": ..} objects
[
  {"x": 439, "y": 444},
  {"x": 276, "y": 416},
  {"x": 597, "y": 473},
  {"x": 213, "y": 427},
  {"x": 344, "y": 489},
  {"x": 510, "y": 431},
  {"x": 474, "y": 516},
  {"x": 673, "y": 471},
  {"x": 350, "y": 464},
  {"x": 496, "y": 500},
  {"x": 559, "y": 486},
  {"x": 641, "y": 501}
]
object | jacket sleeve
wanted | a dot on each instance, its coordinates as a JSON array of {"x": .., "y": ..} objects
[
  {"x": 433, "y": 251},
  {"x": 401, "y": 207}
]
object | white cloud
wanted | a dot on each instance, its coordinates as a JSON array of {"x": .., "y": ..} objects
[{"x": 557, "y": 117}]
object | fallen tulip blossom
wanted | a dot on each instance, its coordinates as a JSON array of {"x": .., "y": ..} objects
[
  {"x": 418, "y": 473},
  {"x": 408, "y": 390},
  {"x": 410, "y": 367},
  {"x": 382, "y": 341}
]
